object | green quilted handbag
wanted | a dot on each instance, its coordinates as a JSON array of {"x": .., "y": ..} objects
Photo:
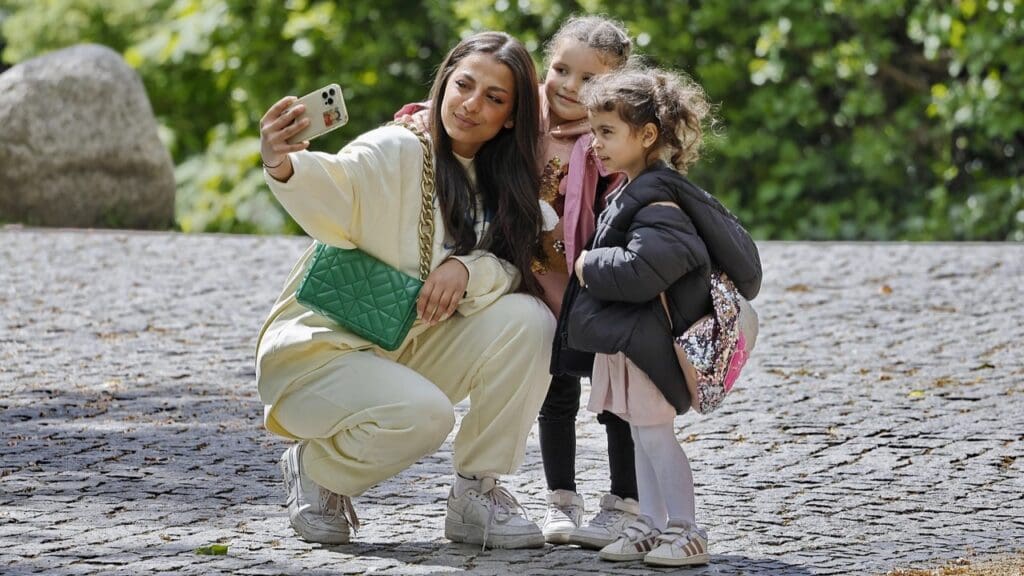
[{"x": 364, "y": 295}]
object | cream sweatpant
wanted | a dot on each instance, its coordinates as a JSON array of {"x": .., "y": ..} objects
[{"x": 369, "y": 415}]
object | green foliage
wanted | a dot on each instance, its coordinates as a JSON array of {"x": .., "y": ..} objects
[{"x": 894, "y": 119}]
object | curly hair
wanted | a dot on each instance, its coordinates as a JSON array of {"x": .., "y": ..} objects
[{"x": 676, "y": 105}]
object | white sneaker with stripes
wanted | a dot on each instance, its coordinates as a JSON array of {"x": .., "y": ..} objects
[
  {"x": 680, "y": 545},
  {"x": 633, "y": 543}
]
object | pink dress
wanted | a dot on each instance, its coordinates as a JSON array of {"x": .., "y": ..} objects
[{"x": 622, "y": 388}]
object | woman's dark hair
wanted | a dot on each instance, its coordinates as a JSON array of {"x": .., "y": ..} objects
[
  {"x": 606, "y": 36},
  {"x": 675, "y": 104},
  {"x": 507, "y": 169}
]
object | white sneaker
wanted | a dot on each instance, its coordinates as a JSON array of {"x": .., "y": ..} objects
[
  {"x": 634, "y": 543},
  {"x": 680, "y": 545},
  {"x": 317, "y": 514},
  {"x": 489, "y": 515},
  {"x": 615, "y": 514},
  {"x": 565, "y": 514}
]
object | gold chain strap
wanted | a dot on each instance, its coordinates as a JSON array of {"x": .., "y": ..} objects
[{"x": 427, "y": 202}]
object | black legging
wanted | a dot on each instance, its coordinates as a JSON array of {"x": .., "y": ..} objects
[{"x": 558, "y": 440}]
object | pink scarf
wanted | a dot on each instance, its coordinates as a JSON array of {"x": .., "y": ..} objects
[{"x": 580, "y": 188}]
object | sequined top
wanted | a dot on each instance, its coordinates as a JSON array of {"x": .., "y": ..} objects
[{"x": 551, "y": 255}]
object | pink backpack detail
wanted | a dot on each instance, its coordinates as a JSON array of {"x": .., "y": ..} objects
[{"x": 713, "y": 351}]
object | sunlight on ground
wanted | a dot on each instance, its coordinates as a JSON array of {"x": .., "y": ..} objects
[{"x": 1000, "y": 566}]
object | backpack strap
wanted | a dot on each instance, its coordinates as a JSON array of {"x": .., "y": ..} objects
[{"x": 664, "y": 300}]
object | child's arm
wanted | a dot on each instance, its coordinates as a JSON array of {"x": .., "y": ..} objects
[
  {"x": 663, "y": 246},
  {"x": 416, "y": 113}
]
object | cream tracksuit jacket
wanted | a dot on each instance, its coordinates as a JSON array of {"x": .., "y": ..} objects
[{"x": 366, "y": 195}]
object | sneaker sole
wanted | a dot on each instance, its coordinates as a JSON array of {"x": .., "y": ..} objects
[
  {"x": 589, "y": 542},
  {"x": 472, "y": 534},
  {"x": 557, "y": 536},
  {"x": 621, "y": 556},
  {"x": 688, "y": 561},
  {"x": 305, "y": 531},
  {"x": 314, "y": 535}
]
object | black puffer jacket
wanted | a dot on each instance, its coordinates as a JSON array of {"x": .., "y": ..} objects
[{"x": 640, "y": 250}]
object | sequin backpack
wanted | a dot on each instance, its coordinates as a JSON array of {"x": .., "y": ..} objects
[{"x": 714, "y": 349}]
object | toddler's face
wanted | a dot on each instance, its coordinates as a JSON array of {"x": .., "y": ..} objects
[
  {"x": 620, "y": 148},
  {"x": 572, "y": 64}
]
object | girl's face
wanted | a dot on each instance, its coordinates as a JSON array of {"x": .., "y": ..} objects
[
  {"x": 572, "y": 64},
  {"x": 620, "y": 148},
  {"x": 478, "y": 101}
]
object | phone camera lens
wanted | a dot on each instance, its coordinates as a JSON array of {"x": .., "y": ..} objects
[
  {"x": 330, "y": 100},
  {"x": 323, "y": 94},
  {"x": 332, "y": 91}
]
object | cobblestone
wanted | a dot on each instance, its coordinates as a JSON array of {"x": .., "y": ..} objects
[{"x": 879, "y": 424}]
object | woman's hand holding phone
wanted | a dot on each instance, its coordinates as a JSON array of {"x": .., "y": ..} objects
[{"x": 276, "y": 127}]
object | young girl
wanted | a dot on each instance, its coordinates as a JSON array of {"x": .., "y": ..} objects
[
  {"x": 573, "y": 181},
  {"x": 660, "y": 233}
]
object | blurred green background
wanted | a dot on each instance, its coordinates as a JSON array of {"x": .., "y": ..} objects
[{"x": 867, "y": 120}]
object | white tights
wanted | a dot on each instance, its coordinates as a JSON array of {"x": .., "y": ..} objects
[{"x": 663, "y": 476}]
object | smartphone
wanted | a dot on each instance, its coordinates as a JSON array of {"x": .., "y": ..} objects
[{"x": 325, "y": 109}]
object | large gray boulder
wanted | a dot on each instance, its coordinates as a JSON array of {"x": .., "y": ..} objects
[{"x": 79, "y": 144}]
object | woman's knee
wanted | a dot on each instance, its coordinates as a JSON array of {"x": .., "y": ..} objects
[
  {"x": 435, "y": 421},
  {"x": 526, "y": 316},
  {"x": 399, "y": 431},
  {"x": 424, "y": 418}
]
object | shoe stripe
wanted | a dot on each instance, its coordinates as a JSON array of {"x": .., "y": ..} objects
[{"x": 694, "y": 548}]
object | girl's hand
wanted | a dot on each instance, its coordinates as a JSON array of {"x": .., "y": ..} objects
[
  {"x": 578, "y": 268},
  {"x": 442, "y": 292},
  {"x": 421, "y": 120},
  {"x": 276, "y": 127}
]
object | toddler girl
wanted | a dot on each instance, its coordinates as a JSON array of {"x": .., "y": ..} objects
[{"x": 659, "y": 233}]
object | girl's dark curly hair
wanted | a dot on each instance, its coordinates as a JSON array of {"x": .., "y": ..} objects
[{"x": 674, "y": 103}]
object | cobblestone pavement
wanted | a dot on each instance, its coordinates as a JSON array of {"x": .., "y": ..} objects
[{"x": 880, "y": 423}]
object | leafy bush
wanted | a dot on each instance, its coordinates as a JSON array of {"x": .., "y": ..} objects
[{"x": 893, "y": 119}]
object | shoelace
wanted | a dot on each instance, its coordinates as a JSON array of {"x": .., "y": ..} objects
[
  {"x": 499, "y": 496},
  {"x": 339, "y": 506},
  {"x": 568, "y": 511},
  {"x": 606, "y": 518}
]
